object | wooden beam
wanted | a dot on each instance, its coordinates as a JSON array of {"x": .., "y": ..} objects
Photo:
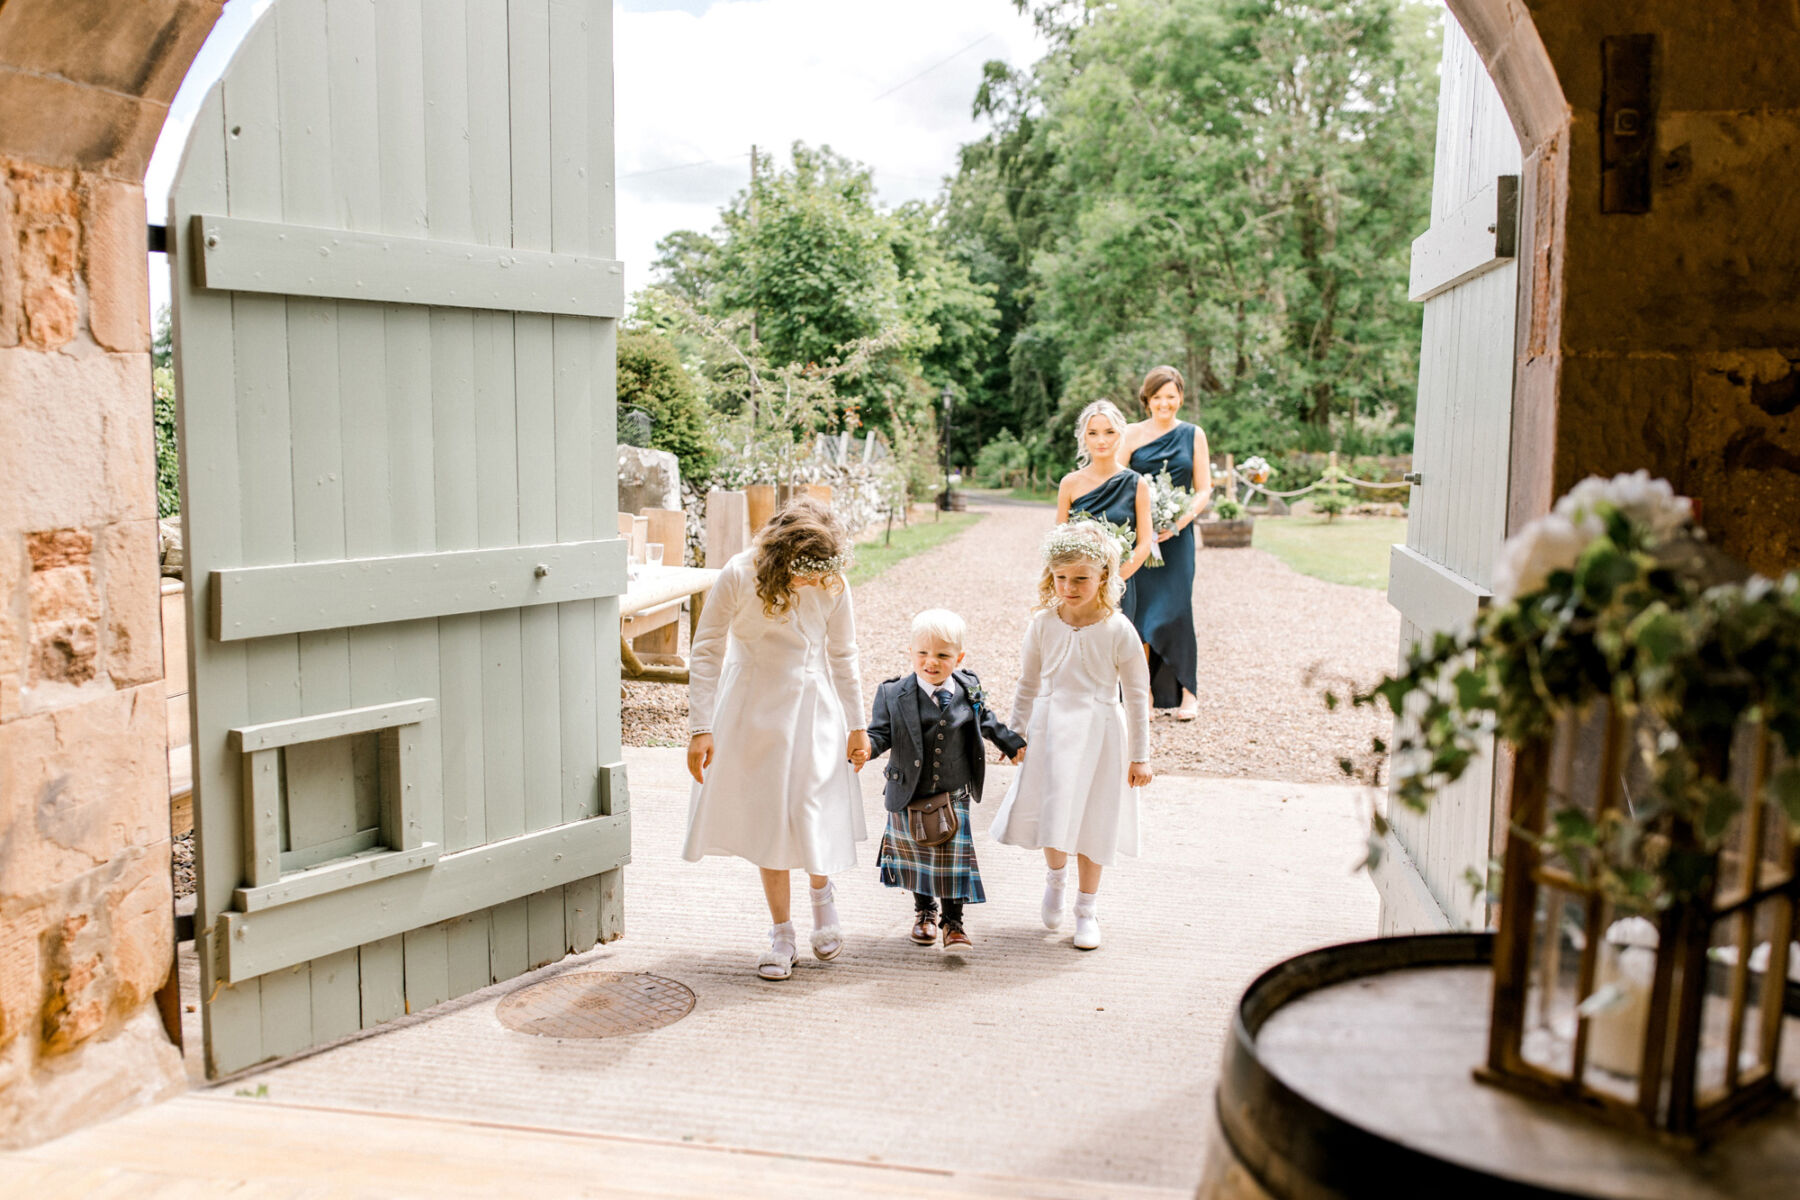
[
  {"x": 1430, "y": 595},
  {"x": 273, "y": 734},
  {"x": 335, "y": 876},
  {"x": 253, "y": 602},
  {"x": 256, "y": 944},
  {"x": 1476, "y": 238},
  {"x": 335, "y": 264}
]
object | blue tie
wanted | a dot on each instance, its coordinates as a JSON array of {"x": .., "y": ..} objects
[{"x": 942, "y": 696}]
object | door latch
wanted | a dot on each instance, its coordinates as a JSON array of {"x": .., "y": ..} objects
[{"x": 1413, "y": 477}]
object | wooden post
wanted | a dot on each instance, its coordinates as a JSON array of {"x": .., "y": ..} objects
[
  {"x": 762, "y": 500},
  {"x": 667, "y": 528},
  {"x": 727, "y": 525},
  {"x": 819, "y": 491},
  {"x": 1230, "y": 477}
]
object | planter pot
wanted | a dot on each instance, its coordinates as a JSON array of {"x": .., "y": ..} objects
[
  {"x": 1226, "y": 535},
  {"x": 953, "y": 501}
]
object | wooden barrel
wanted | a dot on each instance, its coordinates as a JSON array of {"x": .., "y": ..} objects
[
  {"x": 1348, "y": 1073},
  {"x": 1226, "y": 535},
  {"x": 953, "y": 501}
]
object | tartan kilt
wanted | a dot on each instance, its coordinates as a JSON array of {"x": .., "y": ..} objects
[{"x": 946, "y": 872}]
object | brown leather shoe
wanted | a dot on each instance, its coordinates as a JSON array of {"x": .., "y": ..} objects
[
  {"x": 956, "y": 939},
  {"x": 925, "y": 929}
]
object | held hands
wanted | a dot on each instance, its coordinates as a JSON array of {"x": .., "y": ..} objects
[
  {"x": 1018, "y": 760},
  {"x": 857, "y": 751},
  {"x": 1166, "y": 534},
  {"x": 1139, "y": 775},
  {"x": 700, "y": 755}
]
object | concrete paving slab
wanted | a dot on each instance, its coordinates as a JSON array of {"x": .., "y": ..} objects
[{"x": 1044, "y": 1063}]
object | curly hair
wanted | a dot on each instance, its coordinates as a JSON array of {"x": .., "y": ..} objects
[
  {"x": 1154, "y": 381},
  {"x": 1099, "y": 408},
  {"x": 803, "y": 529},
  {"x": 1081, "y": 541}
]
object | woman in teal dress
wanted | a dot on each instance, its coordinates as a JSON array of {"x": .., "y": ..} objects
[
  {"x": 1102, "y": 486},
  {"x": 1161, "y": 600}
]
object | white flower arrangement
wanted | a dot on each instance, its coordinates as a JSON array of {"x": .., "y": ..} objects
[
  {"x": 1554, "y": 542},
  {"x": 1256, "y": 469},
  {"x": 1168, "y": 504}
]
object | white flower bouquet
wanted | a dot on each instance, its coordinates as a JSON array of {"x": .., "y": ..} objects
[
  {"x": 1123, "y": 536},
  {"x": 1168, "y": 504}
]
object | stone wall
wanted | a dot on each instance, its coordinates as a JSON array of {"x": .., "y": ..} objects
[{"x": 86, "y": 922}]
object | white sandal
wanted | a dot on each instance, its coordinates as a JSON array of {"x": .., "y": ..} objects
[
  {"x": 827, "y": 934},
  {"x": 778, "y": 960}
]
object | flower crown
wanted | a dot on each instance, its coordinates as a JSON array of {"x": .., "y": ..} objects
[
  {"x": 834, "y": 565},
  {"x": 1078, "y": 539}
]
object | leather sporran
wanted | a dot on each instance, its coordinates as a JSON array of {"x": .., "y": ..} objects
[{"x": 931, "y": 820}]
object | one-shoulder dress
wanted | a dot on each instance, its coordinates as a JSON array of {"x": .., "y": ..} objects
[
  {"x": 1160, "y": 600},
  {"x": 1115, "y": 501}
]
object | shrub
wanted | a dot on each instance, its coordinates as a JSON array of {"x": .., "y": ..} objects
[
  {"x": 1333, "y": 495},
  {"x": 1228, "y": 510},
  {"x": 652, "y": 379},
  {"x": 1004, "y": 462}
]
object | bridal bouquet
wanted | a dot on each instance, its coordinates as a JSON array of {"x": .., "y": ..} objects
[{"x": 1168, "y": 504}]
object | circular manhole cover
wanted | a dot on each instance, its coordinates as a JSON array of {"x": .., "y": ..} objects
[{"x": 588, "y": 1004}]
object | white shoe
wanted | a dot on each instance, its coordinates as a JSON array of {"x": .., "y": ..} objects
[
  {"x": 778, "y": 960},
  {"x": 827, "y": 934},
  {"x": 1087, "y": 924},
  {"x": 1056, "y": 884}
]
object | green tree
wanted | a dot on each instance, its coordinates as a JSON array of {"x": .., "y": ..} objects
[
  {"x": 653, "y": 381},
  {"x": 162, "y": 413}
]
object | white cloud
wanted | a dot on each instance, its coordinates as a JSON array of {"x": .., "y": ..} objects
[
  {"x": 886, "y": 82},
  {"x": 702, "y": 88}
]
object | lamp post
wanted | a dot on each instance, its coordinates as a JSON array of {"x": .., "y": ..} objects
[{"x": 949, "y": 399}]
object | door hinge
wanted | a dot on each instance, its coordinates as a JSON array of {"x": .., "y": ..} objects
[{"x": 158, "y": 238}]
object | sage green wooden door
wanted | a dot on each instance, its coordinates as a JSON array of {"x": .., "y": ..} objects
[
  {"x": 395, "y": 313},
  {"x": 1465, "y": 272}
]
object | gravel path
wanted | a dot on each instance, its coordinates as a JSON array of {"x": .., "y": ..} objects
[{"x": 1270, "y": 640}]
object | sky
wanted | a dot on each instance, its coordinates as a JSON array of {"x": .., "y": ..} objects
[{"x": 698, "y": 82}]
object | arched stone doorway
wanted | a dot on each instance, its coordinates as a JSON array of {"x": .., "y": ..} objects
[{"x": 1667, "y": 340}]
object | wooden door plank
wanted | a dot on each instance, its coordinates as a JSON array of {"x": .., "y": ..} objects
[
  {"x": 427, "y": 953},
  {"x": 544, "y": 928},
  {"x": 336, "y": 996},
  {"x": 287, "y": 1010},
  {"x": 581, "y": 914},
  {"x": 383, "y": 973},
  {"x": 497, "y": 486},
  {"x": 508, "y": 954},
  {"x": 466, "y": 948}
]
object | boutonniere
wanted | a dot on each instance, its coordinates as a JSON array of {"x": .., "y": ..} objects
[{"x": 977, "y": 697}]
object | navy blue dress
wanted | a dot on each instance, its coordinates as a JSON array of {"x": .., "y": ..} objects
[
  {"x": 1115, "y": 500},
  {"x": 1160, "y": 600}
]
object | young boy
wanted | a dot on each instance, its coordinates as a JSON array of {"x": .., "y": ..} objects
[{"x": 934, "y": 720}]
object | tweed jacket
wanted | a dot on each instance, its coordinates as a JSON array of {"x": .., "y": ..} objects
[{"x": 895, "y": 726}]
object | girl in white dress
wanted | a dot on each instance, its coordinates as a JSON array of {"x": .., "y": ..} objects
[
  {"x": 775, "y": 713},
  {"x": 1090, "y": 752}
]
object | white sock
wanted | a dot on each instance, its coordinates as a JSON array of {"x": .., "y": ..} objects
[
  {"x": 1057, "y": 876},
  {"x": 824, "y": 905},
  {"x": 1084, "y": 903}
]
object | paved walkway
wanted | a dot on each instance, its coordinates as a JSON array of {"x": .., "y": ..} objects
[{"x": 1059, "y": 1073}]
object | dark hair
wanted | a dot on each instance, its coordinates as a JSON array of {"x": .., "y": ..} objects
[{"x": 1154, "y": 381}]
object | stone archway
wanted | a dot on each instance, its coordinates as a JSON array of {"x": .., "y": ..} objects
[{"x": 1668, "y": 340}]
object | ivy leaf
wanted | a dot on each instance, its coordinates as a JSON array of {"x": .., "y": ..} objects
[
  {"x": 1471, "y": 689},
  {"x": 1573, "y": 828},
  {"x": 1722, "y": 804}
]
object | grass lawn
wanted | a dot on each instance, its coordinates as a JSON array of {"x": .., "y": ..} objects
[
  {"x": 1352, "y": 550},
  {"x": 872, "y": 558}
]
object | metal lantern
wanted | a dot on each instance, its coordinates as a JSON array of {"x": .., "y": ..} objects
[{"x": 1669, "y": 1022}]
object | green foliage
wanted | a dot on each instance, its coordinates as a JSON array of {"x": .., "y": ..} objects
[
  {"x": 1354, "y": 553},
  {"x": 1228, "y": 509},
  {"x": 1667, "y": 636},
  {"x": 806, "y": 264},
  {"x": 162, "y": 410},
  {"x": 1228, "y": 185},
  {"x": 652, "y": 380},
  {"x": 885, "y": 549},
  {"x": 1333, "y": 495},
  {"x": 1002, "y": 462}
]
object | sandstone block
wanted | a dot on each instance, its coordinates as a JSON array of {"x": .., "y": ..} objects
[
  {"x": 1743, "y": 454},
  {"x": 132, "y": 588},
  {"x": 63, "y": 594},
  {"x": 136, "y": 1066},
  {"x": 57, "y": 455},
  {"x": 14, "y": 570},
  {"x": 51, "y": 314},
  {"x": 46, "y": 119},
  {"x": 21, "y": 977},
  {"x": 12, "y": 703},
  {"x": 10, "y": 302},
  {"x": 54, "y": 548},
  {"x": 116, "y": 267},
  {"x": 140, "y": 916},
  {"x": 142, "y": 48},
  {"x": 80, "y": 785}
]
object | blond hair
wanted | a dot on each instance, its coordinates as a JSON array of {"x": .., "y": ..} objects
[
  {"x": 942, "y": 624},
  {"x": 1099, "y": 408},
  {"x": 1081, "y": 541},
  {"x": 803, "y": 532}
]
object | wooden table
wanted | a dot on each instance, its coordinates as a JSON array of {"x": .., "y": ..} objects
[{"x": 649, "y": 602}]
